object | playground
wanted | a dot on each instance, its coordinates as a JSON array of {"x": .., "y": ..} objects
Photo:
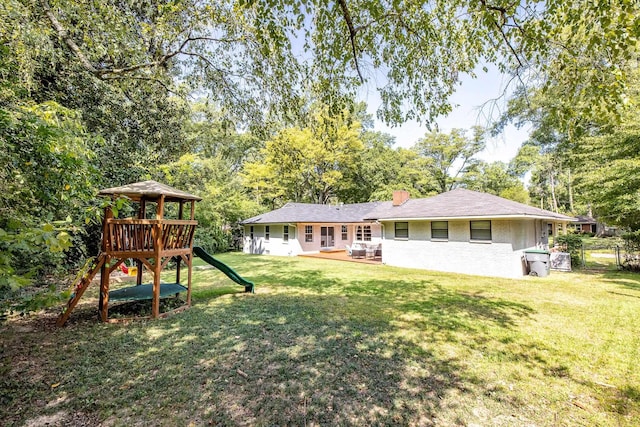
[{"x": 151, "y": 244}]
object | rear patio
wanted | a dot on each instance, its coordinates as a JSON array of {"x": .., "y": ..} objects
[{"x": 341, "y": 255}]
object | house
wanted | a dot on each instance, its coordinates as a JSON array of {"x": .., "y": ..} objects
[
  {"x": 298, "y": 228},
  {"x": 585, "y": 224},
  {"x": 460, "y": 231}
]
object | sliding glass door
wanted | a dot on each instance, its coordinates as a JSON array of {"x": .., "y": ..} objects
[{"x": 326, "y": 237}]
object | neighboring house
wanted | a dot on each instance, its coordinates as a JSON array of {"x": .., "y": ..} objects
[
  {"x": 460, "y": 231},
  {"x": 586, "y": 224}
]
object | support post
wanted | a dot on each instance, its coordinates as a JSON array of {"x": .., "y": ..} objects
[
  {"x": 157, "y": 269},
  {"x": 103, "y": 304},
  {"x": 189, "y": 265},
  {"x": 104, "y": 289}
]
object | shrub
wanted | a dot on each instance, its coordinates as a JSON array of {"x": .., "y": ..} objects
[
  {"x": 631, "y": 245},
  {"x": 213, "y": 239},
  {"x": 571, "y": 243}
]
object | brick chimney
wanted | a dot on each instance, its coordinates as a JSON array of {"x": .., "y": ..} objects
[{"x": 399, "y": 197}]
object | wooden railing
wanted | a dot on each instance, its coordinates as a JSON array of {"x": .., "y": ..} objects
[{"x": 140, "y": 235}]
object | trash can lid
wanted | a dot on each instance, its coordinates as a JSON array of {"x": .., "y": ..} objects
[{"x": 536, "y": 251}]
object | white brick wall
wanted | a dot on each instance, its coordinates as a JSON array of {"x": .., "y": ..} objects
[
  {"x": 275, "y": 245},
  {"x": 502, "y": 257}
]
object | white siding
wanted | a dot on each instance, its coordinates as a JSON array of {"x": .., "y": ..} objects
[
  {"x": 296, "y": 244},
  {"x": 502, "y": 257},
  {"x": 275, "y": 245}
]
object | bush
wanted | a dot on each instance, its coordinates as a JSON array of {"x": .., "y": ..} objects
[
  {"x": 25, "y": 253},
  {"x": 213, "y": 239},
  {"x": 631, "y": 245},
  {"x": 571, "y": 243}
]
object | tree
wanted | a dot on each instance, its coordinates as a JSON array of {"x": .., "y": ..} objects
[
  {"x": 224, "y": 199},
  {"x": 253, "y": 57},
  {"x": 550, "y": 177},
  {"x": 307, "y": 164},
  {"x": 448, "y": 155},
  {"x": 45, "y": 175},
  {"x": 608, "y": 177},
  {"x": 495, "y": 178}
]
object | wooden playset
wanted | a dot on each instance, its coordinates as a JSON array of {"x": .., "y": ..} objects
[{"x": 151, "y": 243}]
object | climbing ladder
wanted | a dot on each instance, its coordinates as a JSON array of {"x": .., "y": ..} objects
[{"x": 79, "y": 289}]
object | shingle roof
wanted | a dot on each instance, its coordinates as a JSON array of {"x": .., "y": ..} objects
[
  {"x": 149, "y": 189},
  {"x": 586, "y": 219},
  {"x": 314, "y": 213},
  {"x": 458, "y": 203},
  {"x": 461, "y": 203}
]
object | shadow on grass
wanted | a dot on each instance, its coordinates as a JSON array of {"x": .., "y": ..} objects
[
  {"x": 282, "y": 360},
  {"x": 625, "y": 279},
  {"x": 314, "y": 349}
]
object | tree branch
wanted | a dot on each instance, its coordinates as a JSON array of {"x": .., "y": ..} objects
[
  {"x": 352, "y": 35},
  {"x": 64, "y": 35},
  {"x": 102, "y": 73},
  {"x": 500, "y": 25}
]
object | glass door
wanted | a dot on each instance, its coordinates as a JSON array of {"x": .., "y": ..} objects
[{"x": 326, "y": 237}]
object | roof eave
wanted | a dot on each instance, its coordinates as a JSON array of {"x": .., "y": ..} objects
[{"x": 473, "y": 217}]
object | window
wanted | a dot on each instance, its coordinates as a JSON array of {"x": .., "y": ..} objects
[
  {"x": 480, "y": 230},
  {"x": 252, "y": 232},
  {"x": 266, "y": 233},
  {"x": 345, "y": 235},
  {"x": 363, "y": 233},
  {"x": 367, "y": 233},
  {"x": 285, "y": 234},
  {"x": 308, "y": 233},
  {"x": 402, "y": 230},
  {"x": 440, "y": 230}
]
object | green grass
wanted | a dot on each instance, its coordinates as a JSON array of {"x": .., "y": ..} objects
[{"x": 333, "y": 343}]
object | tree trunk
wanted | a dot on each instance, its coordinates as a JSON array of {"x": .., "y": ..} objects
[
  {"x": 570, "y": 187},
  {"x": 554, "y": 201}
]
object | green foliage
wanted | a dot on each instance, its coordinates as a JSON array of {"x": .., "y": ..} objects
[
  {"x": 631, "y": 247},
  {"x": 571, "y": 243},
  {"x": 213, "y": 239},
  {"x": 495, "y": 178},
  {"x": 381, "y": 169},
  {"x": 224, "y": 199},
  {"x": 609, "y": 175},
  {"x": 447, "y": 156},
  {"x": 551, "y": 182},
  {"x": 254, "y": 57},
  {"x": 307, "y": 164},
  {"x": 23, "y": 252}
]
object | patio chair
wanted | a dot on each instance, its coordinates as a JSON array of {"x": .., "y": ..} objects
[
  {"x": 378, "y": 252},
  {"x": 348, "y": 248}
]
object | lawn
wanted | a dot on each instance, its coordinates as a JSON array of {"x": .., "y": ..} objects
[{"x": 334, "y": 343}]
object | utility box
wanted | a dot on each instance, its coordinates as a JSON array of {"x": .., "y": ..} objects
[{"x": 538, "y": 262}]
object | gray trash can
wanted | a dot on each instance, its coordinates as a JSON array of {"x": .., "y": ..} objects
[{"x": 538, "y": 262}]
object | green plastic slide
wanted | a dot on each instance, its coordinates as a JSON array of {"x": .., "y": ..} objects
[{"x": 228, "y": 271}]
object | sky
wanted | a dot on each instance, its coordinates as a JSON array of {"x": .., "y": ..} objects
[{"x": 477, "y": 100}]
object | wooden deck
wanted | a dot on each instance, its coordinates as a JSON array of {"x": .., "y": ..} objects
[{"x": 342, "y": 256}]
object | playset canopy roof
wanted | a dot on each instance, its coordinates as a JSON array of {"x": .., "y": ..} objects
[{"x": 149, "y": 190}]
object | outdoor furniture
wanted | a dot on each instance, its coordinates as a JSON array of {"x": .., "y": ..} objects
[
  {"x": 348, "y": 248},
  {"x": 358, "y": 251},
  {"x": 370, "y": 251},
  {"x": 378, "y": 252}
]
